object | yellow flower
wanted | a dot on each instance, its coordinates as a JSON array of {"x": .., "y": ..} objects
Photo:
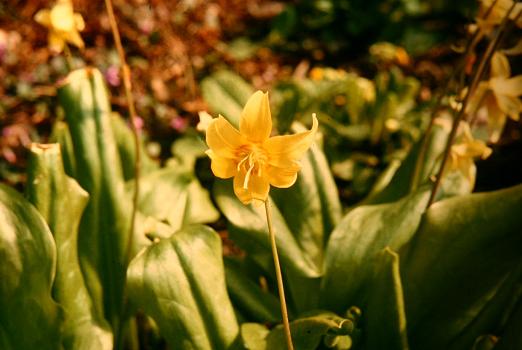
[
  {"x": 464, "y": 150},
  {"x": 64, "y": 25},
  {"x": 488, "y": 19},
  {"x": 251, "y": 156},
  {"x": 499, "y": 96}
]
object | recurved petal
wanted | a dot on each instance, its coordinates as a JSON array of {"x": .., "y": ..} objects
[
  {"x": 257, "y": 187},
  {"x": 79, "y": 22},
  {"x": 256, "y": 121},
  {"x": 477, "y": 99},
  {"x": 282, "y": 177},
  {"x": 496, "y": 122},
  {"x": 222, "y": 167},
  {"x": 500, "y": 65},
  {"x": 510, "y": 105},
  {"x": 74, "y": 38},
  {"x": 43, "y": 17},
  {"x": 62, "y": 17},
  {"x": 222, "y": 138},
  {"x": 509, "y": 87},
  {"x": 56, "y": 42},
  {"x": 283, "y": 151}
]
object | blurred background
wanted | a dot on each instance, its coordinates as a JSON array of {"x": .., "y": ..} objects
[{"x": 369, "y": 68}]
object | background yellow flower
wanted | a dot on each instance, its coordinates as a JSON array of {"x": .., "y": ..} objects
[
  {"x": 464, "y": 150},
  {"x": 64, "y": 25},
  {"x": 499, "y": 95}
]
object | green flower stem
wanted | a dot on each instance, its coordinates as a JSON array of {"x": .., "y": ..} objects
[
  {"x": 279, "y": 276},
  {"x": 68, "y": 57}
]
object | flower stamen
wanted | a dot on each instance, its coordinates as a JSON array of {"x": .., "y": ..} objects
[
  {"x": 247, "y": 176},
  {"x": 242, "y": 162}
]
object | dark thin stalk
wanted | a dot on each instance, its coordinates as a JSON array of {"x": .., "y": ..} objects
[
  {"x": 470, "y": 48},
  {"x": 462, "y": 112}
]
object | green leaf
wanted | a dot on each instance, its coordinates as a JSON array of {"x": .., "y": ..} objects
[
  {"x": 29, "y": 317},
  {"x": 308, "y": 332},
  {"x": 303, "y": 216},
  {"x": 314, "y": 196},
  {"x": 226, "y": 93},
  {"x": 248, "y": 229},
  {"x": 356, "y": 242},
  {"x": 61, "y": 202},
  {"x": 127, "y": 151},
  {"x": 511, "y": 337},
  {"x": 400, "y": 183},
  {"x": 104, "y": 228},
  {"x": 460, "y": 271},
  {"x": 180, "y": 282},
  {"x": 174, "y": 195},
  {"x": 385, "y": 316},
  {"x": 253, "y": 336},
  {"x": 60, "y": 134},
  {"x": 247, "y": 295}
]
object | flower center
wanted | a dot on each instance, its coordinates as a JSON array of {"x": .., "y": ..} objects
[{"x": 253, "y": 159}]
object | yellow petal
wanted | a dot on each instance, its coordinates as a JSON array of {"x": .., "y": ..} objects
[
  {"x": 62, "y": 17},
  {"x": 257, "y": 188},
  {"x": 256, "y": 121},
  {"x": 223, "y": 139},
  {"x": 79, "y": 23},
  {"x": 509, "y": 87},
  {"x": 510, "y": 105},
  {"x": 283, "y": 151},
  {"x": 496, "y": 121},
  {"x": 204, "y": 121},
  {"x": 468, "y": 169},
  {"x": 282, "y": 177},
  {"x": 222, "y": 167},
  {"x": 477, "y": 99},
  {"x": 500, "y": 65},
  {"x": 74, "y": 38},
  {"x": 56, "y": 42},
  {"x": 43, "y": 17}
]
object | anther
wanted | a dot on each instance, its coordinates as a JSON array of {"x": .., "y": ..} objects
[{"x": 247, "y": 176}]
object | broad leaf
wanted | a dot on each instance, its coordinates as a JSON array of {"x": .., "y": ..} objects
[
  {"x": 385, "y": 319},
  {"x": 126, "y": 148},
  {"x": 356, "y": 242},
  {"x": 248, "y": 297},
  {"x": 104, "y": 228},
  {"x": 460, "y": 271},
  {"x": 303, "y": 217},
  {"x": 180, "y": 282},
  {"x": 253, "y": 336},
  {"x": 61, "y": 202},
  {"x": 29, "y": 317},
  {"x": 309, "y": 332},
  {"x": 511, "y": 337},
  {"x": 400, "y": 184},
  {"x": 226, "y": 93},
  {"x": 174, "y": 195},
  {"x": 60, "y": 134}
]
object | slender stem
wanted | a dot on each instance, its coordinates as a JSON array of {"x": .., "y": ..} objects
[
  {"x": 133, "y": 116},
  {"x": 68, "y": 57},
  {"x": 470, "y": 47},
  {"x": 462, "y": 112},
  {"x": 279, "y": 277}
]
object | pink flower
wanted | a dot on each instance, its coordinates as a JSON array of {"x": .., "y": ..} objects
[
  {"x": 112, "y": 75},
  {"x": 179, "y": 124}
]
